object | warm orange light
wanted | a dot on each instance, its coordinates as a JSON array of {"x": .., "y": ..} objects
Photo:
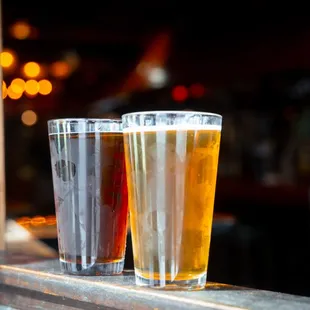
[
  {"x": 12, "y": 94},
  {"x": 29, "y": 118},
  {"x": 179, "y": 93},
  {"x": 20, "y": 30},
  {"x": 50, "y": 220},
  {"x": 45, "y": 87},
  {"x": 31, "y": 69},
  {"x": 4, "y": 90},
  {"x": 7, "y": 59},
  {"x": 32, "y": 87},
  {"x": 18, "y": 86},
  {"x": 24, "y": 221},
  {"x": 38, "y": 220},
  {"x": 60, "y": 69}
]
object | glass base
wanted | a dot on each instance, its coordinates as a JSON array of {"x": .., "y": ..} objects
[
  {"x": 188, "y": 285},
  {"x": 96, "y": 269}
]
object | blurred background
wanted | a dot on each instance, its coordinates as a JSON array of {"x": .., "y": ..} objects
[{"x": 250, "y": 63}]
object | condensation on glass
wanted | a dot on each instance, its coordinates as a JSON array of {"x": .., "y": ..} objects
[
  {"x": 171, "y": 162},
  {"x": 87, "y": 157}
]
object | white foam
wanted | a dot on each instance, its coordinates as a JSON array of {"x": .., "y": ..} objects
[{"x": 172, "y": 127}]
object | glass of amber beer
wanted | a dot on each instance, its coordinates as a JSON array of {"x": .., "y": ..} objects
[
  {"x": 90, "y": 193},
  {"x": 171, "y": 163}
]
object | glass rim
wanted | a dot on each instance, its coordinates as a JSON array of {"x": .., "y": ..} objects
[
  {"x": 68, "y": 120},
  {"x": 176, "y": 112},
  {"x": 76, "y": 125}
]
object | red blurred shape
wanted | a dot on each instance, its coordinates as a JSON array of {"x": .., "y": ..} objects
[
  {"x": 179, "y": 93},
  {"x": 197, "y": 90}
]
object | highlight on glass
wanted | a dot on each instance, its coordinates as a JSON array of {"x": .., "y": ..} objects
[
  {"x": 90, "y": 191},
  {"x": 171, "y": 163}
]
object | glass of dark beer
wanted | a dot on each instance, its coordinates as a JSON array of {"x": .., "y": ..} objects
[
  {"x": 90, "y": 193},
  {"x": 171, "y": 162}
]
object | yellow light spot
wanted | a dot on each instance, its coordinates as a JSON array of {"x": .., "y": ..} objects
[
  {"x": 38, "y": 221},
  {"x": 7, "y": 59},
  {"x": 31, "y": 69},
  {"x": 4, "y": 90},
  {"x": 32, "y": 87},
  {"x": 18, "y": 86},
  {"x": 26, "y": 173},
  {"x": 45, "y": 87},
  {"x": 60, "y": 69},
  {"x": 24, "y": 221},
  {"x": 29, "y": 118},
  {"x": 20, "y": 30},
  {"x": 50, "y": 220},
  {"x": 12, "y": 94}
]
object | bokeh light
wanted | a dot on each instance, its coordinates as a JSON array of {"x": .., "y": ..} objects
[
  {"x": 31, "y": 69},
  {"x": 197, "y": 90},
  {"x": 12, "y": 94},
  {"x": 179, "y": 93},
  {"x": 157, "y": 77},
  {"x": 7, "y": 59},
  {"x": 4, "y": 90},
  {"x": 38, "y": 220},
  {"x": 50, "y": 220},
  {"x": 32, "y": 87},
  {"x": 60, "y": 69},
  {"x": 29, "y": 118},
  {"x": 20, "y": 30},
  {"x": 24, "y": 221},
  {"x": 18, "y": 86},
  {"x": 45, "y": 87}
]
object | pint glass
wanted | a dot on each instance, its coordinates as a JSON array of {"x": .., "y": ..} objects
[
  {"x": 90, "y": 193},
  {"x": 171, "y": 163}
]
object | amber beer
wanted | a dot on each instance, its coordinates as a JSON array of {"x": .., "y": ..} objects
[
  {"x": 171, "y": 186},
  {"x": 91, "y": 201}
]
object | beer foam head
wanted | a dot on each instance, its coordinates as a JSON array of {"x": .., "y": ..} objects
[{"x": 172, "y": 128}]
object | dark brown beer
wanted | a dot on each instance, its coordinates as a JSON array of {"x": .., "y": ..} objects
[{"x": 91, "y": 201}]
